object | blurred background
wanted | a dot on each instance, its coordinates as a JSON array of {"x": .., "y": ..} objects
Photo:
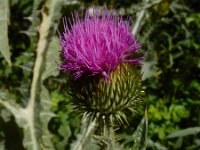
[{"x": 169, "y": 31}]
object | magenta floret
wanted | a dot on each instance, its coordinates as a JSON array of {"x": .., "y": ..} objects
[{"x": 98, "y": 44}]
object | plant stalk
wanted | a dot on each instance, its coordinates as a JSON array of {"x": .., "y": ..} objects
[
  {"x": 85, "y": 135},
  {"x": 139, "y": 19}
]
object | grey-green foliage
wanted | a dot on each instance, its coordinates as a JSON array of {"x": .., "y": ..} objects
[
  {"x": 140, "y": 135},
  {"x": 2, "y": 146},
  {"x": 184, "y": 132},
  {"x": 4, "y": 21},
  {"x": 44, "y": 113},
  {"x": 52, "y": 58},
  {"x": 34, "y": 118}
]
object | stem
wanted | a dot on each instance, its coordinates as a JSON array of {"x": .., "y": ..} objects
[
  {"x": 138, "y": 22},
  {"x": 111, "y": 138},
  {"x": 141, "y": 15},
  {"x": 85, "y": 135}
]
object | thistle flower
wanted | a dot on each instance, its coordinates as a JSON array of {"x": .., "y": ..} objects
[{"x": 97, "y": 45}]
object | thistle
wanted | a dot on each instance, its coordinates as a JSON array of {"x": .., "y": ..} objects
[{"x": 100, "y": 51}]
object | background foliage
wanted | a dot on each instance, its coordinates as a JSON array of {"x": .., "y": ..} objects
[{"x": 170, "y": 34}]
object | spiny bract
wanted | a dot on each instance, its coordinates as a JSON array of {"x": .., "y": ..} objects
[{"x": 115, "y": 100}]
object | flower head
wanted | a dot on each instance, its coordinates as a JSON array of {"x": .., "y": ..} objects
[{"x": 98, "y": 44}]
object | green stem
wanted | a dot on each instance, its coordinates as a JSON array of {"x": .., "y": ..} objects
[
  {"x": 87, "y": 132},
  {"x": 142, "y": 13},
  {"x": 138, "y": 22},
  {"x": 111, "y": 138}
]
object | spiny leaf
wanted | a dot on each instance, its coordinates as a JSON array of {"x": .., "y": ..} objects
[
  {"x": 45, "y": 116},
  {"x": 185, "y": 132},
  {"x": 35, "y": 129},
  {"x": 4, "y": 21},
  {"x": 52, "y": 58},
  {"x": 2, "y": 147},
  {"x": 140, "y": 135}
]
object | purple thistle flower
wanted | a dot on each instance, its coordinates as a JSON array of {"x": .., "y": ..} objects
[{"x": 97, "y": 45}]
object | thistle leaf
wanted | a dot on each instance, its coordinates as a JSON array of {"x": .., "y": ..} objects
[
  {"x": 35, "y": 117},
  {"x": 140, "y": 135},
  {"x": 52, "y": 58},
  {"x": 4, "y": 21},
  {"x": 2, "y": 147},
  {"x": 45, "y": 116},
  {"x": 185, "y": 132}
]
